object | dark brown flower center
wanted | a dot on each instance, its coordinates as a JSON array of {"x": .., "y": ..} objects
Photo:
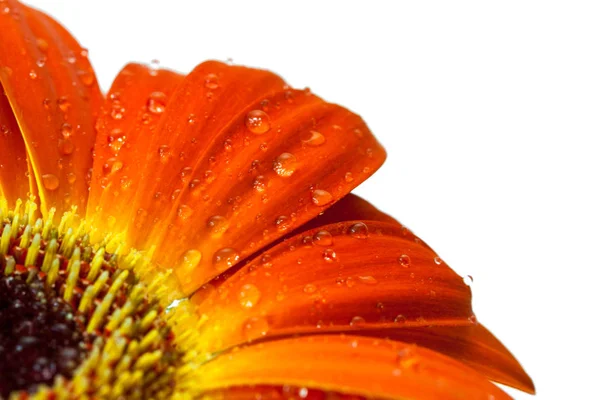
[{"x": 41, "y": 331}]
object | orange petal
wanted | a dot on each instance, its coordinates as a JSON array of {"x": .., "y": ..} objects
[
  {"x": 14, "y": 169},
  {"x": 258, "y": 160},
  {"x": 347, "y": 364},
  {"x": 343, "y": 277},
  {"x": 54, "y": 95},
  {"x": 285, "y": 392},
  {"x": 472, "y": 344},
  {"x": 128, "y": 118}
]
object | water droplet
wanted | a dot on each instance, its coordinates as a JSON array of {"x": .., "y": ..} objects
[
  {"x": 310, "y": 288},
  {"x": 368, "y": 280},
  {"x": 283, "y": 223},
  {"x": 438, "y": 260},
  {"x": 315, "y": 139},
  {"x": 329, "y": 255},
  {"x": 32, "y": 74},
  {"x": 249, "y": 295},
  {"x": 64, "y": 104},
  {"x": 357, "y": 321},
  {"x": 225, "y": 258},
  {"x": 258, "y": 122},
  {"x": 157, "y": 102},
  {"x": 260, "y": 183},
  {"x": 184, "y": 212},
  {"x": 285, "y": 165},
  {"x": 164, "y": 153},
  {"x": 404, "y": 260},
  {"x": 468, "y": 280},
  {"x": 185, "y": 174},
  {"x": 66, "y": 130},
  {"x": 217, "y": 225},
  {"x": 87, "y": 77},
  {"x": 190, "y": 260},
  {"x": 42, "y": 44},
  {"x": 66, "y": 146},
  {"x": 192, "y": 119},
  {"x": 400, "y": 319},
  {"x": 154, "y": 66},
  {"x": 348, "y": 177},
  {"x": 50, "y": 181},
  {"x": 71, "y": 177},
  {"x": 359, "y": 230},
  {"x": 211, "y": 81},
  {"x": 321, "y": 197},
  {"x": 255, "y": 328},
  {"x": 323, "y": 238}
]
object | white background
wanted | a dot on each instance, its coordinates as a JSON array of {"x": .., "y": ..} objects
[{"x": 490, "y": 114}]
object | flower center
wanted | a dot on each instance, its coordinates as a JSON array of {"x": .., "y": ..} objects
[
  {"x": 79, "y": 318},
  {"x": 40, "y": 330}
]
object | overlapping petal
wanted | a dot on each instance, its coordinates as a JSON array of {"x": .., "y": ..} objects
[
  {"x": 239, "y": 160},
  {"x": 125, "y": 129},
  {"x": 350, "y": 364},
  {"x": 54, "y": 96}
]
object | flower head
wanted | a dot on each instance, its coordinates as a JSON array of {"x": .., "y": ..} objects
[{"x": 193, "y": 236}]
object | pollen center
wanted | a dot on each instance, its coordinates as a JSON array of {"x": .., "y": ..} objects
[
  {"x": 81, "y": 319},
  {"x": 41, "y": 331}
]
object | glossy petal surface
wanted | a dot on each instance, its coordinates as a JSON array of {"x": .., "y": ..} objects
[
  {"x": 347, "y": 364},
  {"x": 125, "y": 129},
  {"x": 238, "y": 161},
  {"x": 54, "y": 95}
]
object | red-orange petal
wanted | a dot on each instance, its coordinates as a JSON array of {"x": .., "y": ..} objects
[
  {"x": 350, "y": 364},
  {"x": 258, "y": 161},
  {"x": 54, "y": 95},
  {"x": 15, "y": 177},
  {"x": 347, "y": 276},
  {"x": 472, "y": 344},
  {"x": 285, "y": 392},
  {"x": 128, "y": 119}
]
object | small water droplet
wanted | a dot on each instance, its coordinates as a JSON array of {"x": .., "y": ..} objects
[
  {"x": 217, "y": 225},
  {"x": 164, "y": 153},
  {"x": 63, "y": 104},
  {"x": 283, "y": 223},
  {"x": 190, "y": 260},
  {"x": 255, "y": 328},
  {"x": 211, "y": 81},
  {"x": 32, "y": 74},
  {"x": 468, "y": 280},
  {"x": 368, "y": 280},
  {"x": 310, "y": 288},
  {"x": 315, "y": 139},
  {"x": 192, "y": 119},
  {"x": 357, "y": 321},
  {"x": 329, "y": 255},
  {"x": 249, "y": 295},
  {"x": 66, "y": 130},
  {"x": 404, "y": 260},
  {"x": 225, "y": 258},
  {"x": 359, "y": 230},
  {"x": 348, "y": 177},
  {"x": 321, "y": 197},
  {"x": 285, "y": 165},
  {"x": 42, "y": 44},
  {"x": 258, "y": 122},
  {"x": 157, "y": 102},
  {"x": 260, "y": 183},
  {"x": 438, "y": 260},
  {"x": 71, "y": 177},
  {"x": 50, "y": 181},
  {"x": 184, "y": 212},
  {"x": 323, "y": 238},
  {"x": 66, "y": 146}
]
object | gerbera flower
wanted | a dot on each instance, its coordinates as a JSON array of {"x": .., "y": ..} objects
[{"x": 194, "y": 237}]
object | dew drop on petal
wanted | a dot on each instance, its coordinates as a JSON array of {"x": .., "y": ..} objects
[
  {"x": 260, "y": 183},
  {"x": 438, "y": 260},
  {"x": 258, "y": 122},
  {"x": 368, "y": 280},
  {"x": 164, "y": 153},
  {"x": 157, "y": 102},
  {"x": 400, "y": 319},
  {"x": 249, "y": 295},
  {"x": 310, "y": 288},
  {"x": 66, "y": 130},
  {"x": 357, "y": 321},
  {"x": 190, "y": 260},
  {"x": 285, "y": 165},
  {"x": 50, "y": 181},
  {"x": 71, "y": 177},
  {"x": 225, "y": 258},
  {"x": 321, "y": 197},
  {"x": 211, "y": 81},
  {"x": 255, "y": 328},
  {"x": 323, "y": 238},
  {"x": 404, "y": 260},
  {"x": 315, "y": 139},
  {"x": 184, "y": 212},
  {"x": 329, "y": 255},
  {"x": 468, "y": 280},
  {"x": 359, "y": 230},
  {"x": 217, "y": 225}
]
